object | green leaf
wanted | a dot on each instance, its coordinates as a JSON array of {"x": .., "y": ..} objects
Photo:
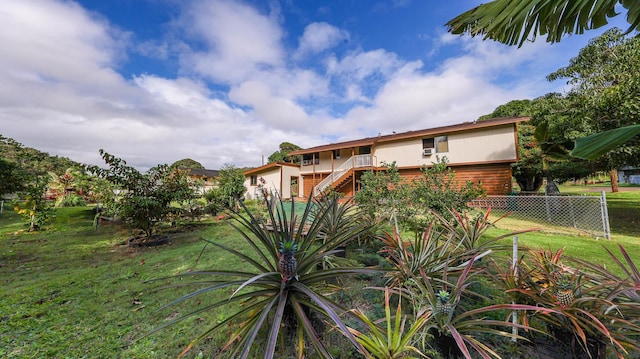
[{"x": 596, "y": 145}]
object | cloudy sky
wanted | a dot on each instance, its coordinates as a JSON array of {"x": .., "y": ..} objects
[{"x": 226, "y": 81}]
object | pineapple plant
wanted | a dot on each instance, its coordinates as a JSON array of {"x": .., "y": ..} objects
[
  {"x": 443, "y": 306},
  {"x": 287, "y": 261},
  {"x": 564, "y": 292}
]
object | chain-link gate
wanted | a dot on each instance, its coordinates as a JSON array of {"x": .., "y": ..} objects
[{"x": 584, "y": 213}]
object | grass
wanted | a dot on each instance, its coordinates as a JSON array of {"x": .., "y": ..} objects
[
  {"x": 624, "y": 218},
  {"x": 71, "y": 291}
]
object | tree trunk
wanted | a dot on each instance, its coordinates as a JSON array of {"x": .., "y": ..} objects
[{"x": 614, "y": 180}]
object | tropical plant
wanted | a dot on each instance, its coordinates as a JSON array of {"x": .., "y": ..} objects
[
  {"x": 11, "y": 178},
  {"x": 514, "y": 22},
  {"x": 390, "y": 341},
  {"x": 146, "y": 199},
  {"x": 431, "y": 252},
  {"x": 413, "y": 203},
  {"x": 456, "y": 326},
  {"x": 584, "y": 317},
  {"x": 283, "y": 292},
  {"x": 231, "y": 184},
  {"x": 381, "y": 191},
  {"x": 34, "y": 209},
  {"x": 69, "y": 187}
]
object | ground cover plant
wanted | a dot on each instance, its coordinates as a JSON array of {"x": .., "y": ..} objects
[{"x": 69, "y": 290}]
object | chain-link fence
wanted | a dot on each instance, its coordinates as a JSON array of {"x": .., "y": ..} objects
[{"x": 583, "y": 213}]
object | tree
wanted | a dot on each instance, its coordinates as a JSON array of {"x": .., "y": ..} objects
[
  {"x": 539, "y": 148},
  {"x": 11, "y": 178},
  {"x": 231, "y": 184},
  {"x": 282, "y": 155},
  {"x": 606, "y": 88},
  {"x": 187, "y": 163},
  {"x": 511, "y": 22},
  {"x": 146, "y": 198},
  {"x": 514, "y": 22},
  {"x": 386, "y": 194},
  {"x": 34, "y": 209}
]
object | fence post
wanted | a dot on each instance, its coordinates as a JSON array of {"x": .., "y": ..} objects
[
  {"x": 514, "y": 316},
  {"x": 605, "y": 216},
  {"x": 1, "y": 206}
]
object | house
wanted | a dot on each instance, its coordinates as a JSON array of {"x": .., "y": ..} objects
[
  {"x": 208, "y": 177},
  {"x": 481, "y": 152},
  {"x": 629, "y": 174},
  {"x": 279, "y": 177}
]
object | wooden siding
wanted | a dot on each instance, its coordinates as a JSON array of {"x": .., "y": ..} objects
[
  {"x": 308, "y": 183},
  {"x": 495, "y": 178}
]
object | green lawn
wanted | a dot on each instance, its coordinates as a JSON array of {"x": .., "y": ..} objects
[
  {"x": 624, "y": 219},
  {"x": 74, "y": 292},
  {"x": 71, "y": 291}
]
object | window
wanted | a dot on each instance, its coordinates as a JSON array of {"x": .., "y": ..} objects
[
  {"x": 439, "y": 143},
  {"x": 336, "y": 154},
  {"x": 254, "y": 180},
  {"x": 308, "y": 159},
  {"x": 365, "y": 150}
]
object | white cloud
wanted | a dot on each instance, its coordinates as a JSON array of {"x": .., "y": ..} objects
[
  {"x": 240, "y": 93},
  {"x": 319, "y": 36},
  {"x": 239, "y": 41}
]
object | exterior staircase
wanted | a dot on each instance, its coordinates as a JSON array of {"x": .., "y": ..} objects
[{"x": 343, "y": 173}]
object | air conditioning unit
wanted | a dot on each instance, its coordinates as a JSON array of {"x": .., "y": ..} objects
[
  {"x": 427, "y": 151},
  {"x": 306, "y": 162}
]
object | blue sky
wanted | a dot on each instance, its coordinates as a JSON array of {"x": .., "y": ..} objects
[{"x": 226, "y": 81}]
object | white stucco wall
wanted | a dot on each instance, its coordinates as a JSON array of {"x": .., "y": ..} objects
[
  {"x": 487, "y": 145},
  {"x": 276, "y": 179},
  {"x": 287, "y": 173},
  {"x": 272, "y": 182}
]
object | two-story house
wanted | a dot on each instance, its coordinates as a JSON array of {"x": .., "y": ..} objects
[{"x": 481, "y": 152}]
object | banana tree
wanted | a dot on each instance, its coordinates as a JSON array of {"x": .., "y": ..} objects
[{"x": 514, "y": 22}]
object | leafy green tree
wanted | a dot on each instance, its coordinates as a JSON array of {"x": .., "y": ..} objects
[
  {"x": 11, "y": 178},
  {"x": 437, "y": 190},
  {"x": 386, "y": 194},
  {"x": 33, "y": 161},
  {"x": 32, "y": 205},
  {"x": 515, "y": 108},
  {"x": 380, "y": 191},
  {"x": 282, "y": 155},
  {"x": 606, "y": 90},
  {"x": 514, "y": 22},
  {"x": 187, "y": 163},
  {"x": 146, "y": 199},
  {"x": 231, "y": 184}
]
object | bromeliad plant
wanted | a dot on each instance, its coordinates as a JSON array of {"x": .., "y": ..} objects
[
  {"x": 284, "y": 292},
  {"x": 589, "y": 309},
  {"x": 390, "y": 341},
  {"x": 455, "y": 326}
]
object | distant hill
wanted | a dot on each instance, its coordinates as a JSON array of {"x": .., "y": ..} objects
[{"x": 32, "y": 160}]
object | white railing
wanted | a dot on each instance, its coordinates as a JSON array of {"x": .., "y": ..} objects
[{"x": 358, "y": 161}]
